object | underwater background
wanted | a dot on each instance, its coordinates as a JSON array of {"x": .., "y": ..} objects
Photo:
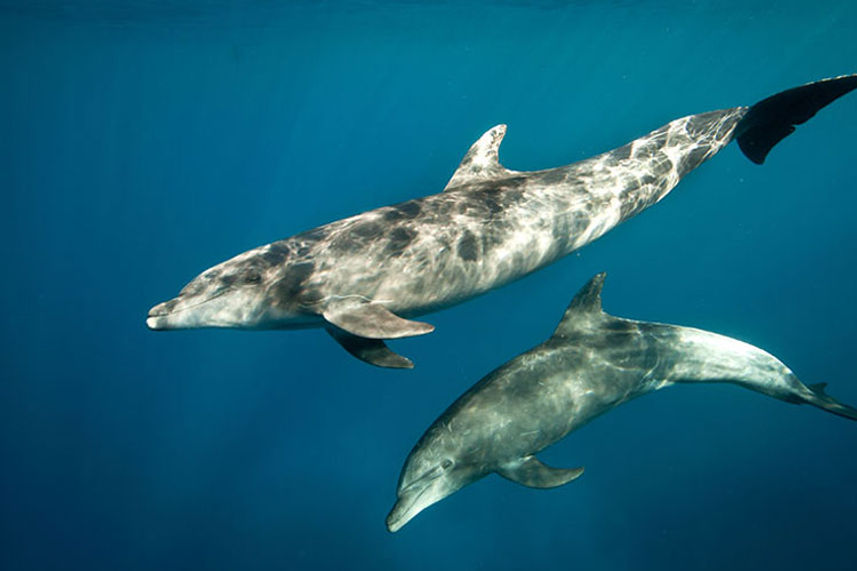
[{"x": 142, "y": 142}]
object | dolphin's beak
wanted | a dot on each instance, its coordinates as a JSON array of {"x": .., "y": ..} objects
[
  {"x": 414, "y": 498},
  {"x": 401, "y": 514},
  {"x": 159, "y": 315}
]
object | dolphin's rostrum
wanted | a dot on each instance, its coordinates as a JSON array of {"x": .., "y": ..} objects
[
  {"x": 363, "y": 278},
  {"x": 592, "y": 363}
]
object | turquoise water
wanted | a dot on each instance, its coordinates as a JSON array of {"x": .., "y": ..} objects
[{"x": 143, "y": 142}]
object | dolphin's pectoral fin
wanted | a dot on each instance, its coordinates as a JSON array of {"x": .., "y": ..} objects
[
  {"x": 371, "y": 320},
  {"x": 372, "y": 351},
  {"x": 481, "y": 163},
  {"x": 529, "y": 471}
]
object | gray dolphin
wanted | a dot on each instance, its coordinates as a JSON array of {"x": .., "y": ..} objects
[
  {"x": 364, "y": 277},
  {"x": 592, "y": 363}
]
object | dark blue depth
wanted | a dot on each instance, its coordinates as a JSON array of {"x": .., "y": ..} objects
[{"x": 142, "y": 143}]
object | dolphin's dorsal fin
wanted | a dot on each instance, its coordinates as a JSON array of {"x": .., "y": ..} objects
[
  {"x": 481, "y": 163},
  {"x": 587, "y": 302},
  {"x": 819, "y": 388},
  {"x": 529, "y": 471}
]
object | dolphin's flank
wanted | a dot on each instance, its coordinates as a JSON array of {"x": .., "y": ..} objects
[
  {"x": 365, "y": 278},
  {"x": 591, "y": 364}
]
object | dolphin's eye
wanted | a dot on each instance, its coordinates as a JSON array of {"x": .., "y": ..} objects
[{"x": 446, "y": 464}]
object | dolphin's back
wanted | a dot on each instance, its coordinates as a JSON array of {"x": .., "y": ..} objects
[
  {"x": 491, "y": 228},
  {"x": 436, "y": 251}
]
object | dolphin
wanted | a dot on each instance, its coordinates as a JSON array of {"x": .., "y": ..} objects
[
  {"x": 365, "y": 277},
  {"x": 591, "y": 364}
]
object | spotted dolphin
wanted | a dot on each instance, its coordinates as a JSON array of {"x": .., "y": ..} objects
[
  {"x": 591, "y": 364},
  {"x": 365, "y": 277}
]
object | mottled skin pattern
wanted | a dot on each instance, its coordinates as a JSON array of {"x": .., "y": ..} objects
[
  {"x": 593, "y": 363},
  {"x": 489, "y": 227},
  {"x": 362, "y": 276},
  {"x": 478, "y": 236}
]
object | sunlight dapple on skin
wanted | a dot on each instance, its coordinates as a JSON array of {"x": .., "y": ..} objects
[{"x": 363, "y": 278}]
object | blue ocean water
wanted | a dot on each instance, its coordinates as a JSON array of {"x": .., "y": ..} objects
[{"x": 145, "y": 141}]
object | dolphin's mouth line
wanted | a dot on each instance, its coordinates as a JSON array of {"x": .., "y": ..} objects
[
  {"x": 404, "y": 512},
  {"x": 197, "y": 304},
  {"x": 432, "y": 474}
]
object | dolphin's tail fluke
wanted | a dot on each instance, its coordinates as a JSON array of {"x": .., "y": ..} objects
[
  {"x": 773, "y": 119},
  {"x": 818, "y": 397}
]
